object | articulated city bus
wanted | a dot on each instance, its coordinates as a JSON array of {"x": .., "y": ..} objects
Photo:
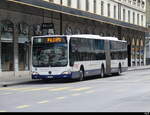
[{"x": 77, "y": 56}]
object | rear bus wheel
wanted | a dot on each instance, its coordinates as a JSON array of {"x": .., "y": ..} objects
[
  {"x": 119, "y": 70},
  {"x": 102, "y": 73},
  {"x": 81, "y": 75}
]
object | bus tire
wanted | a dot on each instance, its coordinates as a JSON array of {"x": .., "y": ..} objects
[
  {"x": 81, "y": 78},
  {"x": 102, "y": 72},
  {"x": 119, "y": 69}
]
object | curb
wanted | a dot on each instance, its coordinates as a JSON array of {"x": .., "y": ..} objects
[
  {"x": 139, "y": 68},
  {"x": 17, "y": 82}
]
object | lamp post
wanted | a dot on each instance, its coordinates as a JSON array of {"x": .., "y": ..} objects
[{"x": 61, "y": 2}]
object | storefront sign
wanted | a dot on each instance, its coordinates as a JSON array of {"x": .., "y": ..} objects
[
  {"x": 48, "y": 26},
  {"x": 48, "y": 29},
  {"x": 7, "y": 29}
]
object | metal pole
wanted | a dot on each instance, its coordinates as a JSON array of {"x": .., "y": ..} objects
[{"x": 61, "y": 18}]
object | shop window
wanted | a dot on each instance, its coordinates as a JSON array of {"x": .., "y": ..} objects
[
  {"x": 133, "y": 52},
  {"x": 142, "y": 52},
  {"x": 7, "y": 49},
  {"x": 7, "y": 57},
  {"x": 23, "y": 48},
  {"x": 138, "y": 52}
]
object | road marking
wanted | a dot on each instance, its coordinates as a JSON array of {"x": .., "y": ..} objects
[
  {"x": 17, "y": 89},
  {"x": 37, "y": 89},
  {"x": 60, "y": 89},
  {"x": 81, "y": 89},
  {"x": 9, "y": 93},
  {"x": 76, "y": 94},
  {"x": 2, "y": 111},
  {"x": 60, "y": 98},
  {"x": 90, "y": 92},
  {"x": 43, "y": 102},
  {"x": 6, "y": 88},
  {"x": 22, "y": 106}
]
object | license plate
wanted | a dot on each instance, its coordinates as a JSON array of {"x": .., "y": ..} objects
[{"x": 50, "y": 77}]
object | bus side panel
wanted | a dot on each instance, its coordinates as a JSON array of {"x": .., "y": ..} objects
[{"x": 90, "y": 68}]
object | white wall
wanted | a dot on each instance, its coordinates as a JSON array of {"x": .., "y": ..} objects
[{"x": 124, "y": 5}]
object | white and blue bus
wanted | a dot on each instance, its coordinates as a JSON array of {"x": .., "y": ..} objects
[{"x": 77, "y": 56}]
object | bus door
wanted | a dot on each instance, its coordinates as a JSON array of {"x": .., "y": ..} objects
[{"x": 108, "y": 56}]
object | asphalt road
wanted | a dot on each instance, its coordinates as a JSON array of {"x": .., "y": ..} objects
[{"x": 129, "y": 92}]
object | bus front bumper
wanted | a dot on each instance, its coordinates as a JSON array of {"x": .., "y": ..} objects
[{"x": 52, "y": 76}]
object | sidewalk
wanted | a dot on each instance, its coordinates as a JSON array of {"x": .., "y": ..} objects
[{"x": 139, "y": 68}]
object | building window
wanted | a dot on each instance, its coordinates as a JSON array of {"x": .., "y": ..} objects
[
  {"x": 102, "y": 8},
  {"x": 7, "y": 47},
  {"x": 129, "y": 16},
  {"x": 133, "y": 18},
  {"x": 134, "y": 2},
  {"x": 23, "y": 47},
  {"x": 78, "y": 4},
  {"x": 142, "y": 20},
  {"x": 138, "y": 19},
  {"x": 108, "y": 10},
  {"x": 129, "y": 1},
  {"x": 95, "y": 6},
  {"x": 138, "y": 3},
  {"x": 115, "y": 12},
  {"x": 7, "y": 57},
  {"x": 87, "y": 5},
  {"x": 124, "y": 15},
  {"x": 69, "y": 3},
  {"x": 133, "y": 51},
  {"x": 119, "y": 11},
  {"x": 143, "y": 4},
  {"x": 51, "y": 0}
]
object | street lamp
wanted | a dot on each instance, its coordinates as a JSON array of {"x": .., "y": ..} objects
[{"x": 61, "y": 2}]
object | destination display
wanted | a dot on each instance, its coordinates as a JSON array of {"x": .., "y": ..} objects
[{"x": 47, "y": 40}]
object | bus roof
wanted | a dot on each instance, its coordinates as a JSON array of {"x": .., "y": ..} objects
[{"x": 88, "y": 36}]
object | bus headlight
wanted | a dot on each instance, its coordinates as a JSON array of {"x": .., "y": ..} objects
[
  {"x": 66, "y": 72},
  {"x": 35, "y": 73}
]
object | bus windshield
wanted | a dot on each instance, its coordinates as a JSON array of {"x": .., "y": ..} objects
[{"x": 50, "y": 52}]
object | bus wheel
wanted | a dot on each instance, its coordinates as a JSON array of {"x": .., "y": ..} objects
[
  {"x": 81, "y": 75},
  {"x": 102, "y": 72},
  {"x": 119, "y": 70}
]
